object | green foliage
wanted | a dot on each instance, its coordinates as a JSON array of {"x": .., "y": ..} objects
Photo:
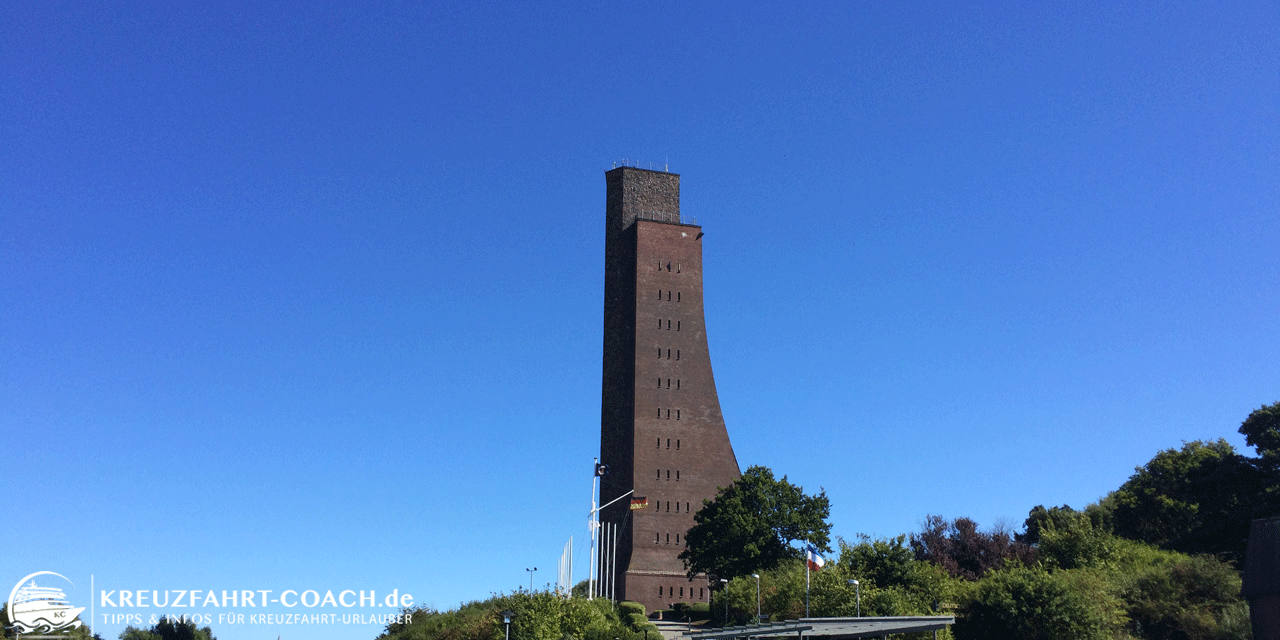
[
  {"x": 169, "y": 629},
  {"x": 893, "y": 581},
  {"x": 627, "y": 607},
  {"x": 751, "y": 524},
  {"x": 1068, "y": 540},
  {"x": 538, "y": 616},
  {"x": 1031, "y": 603},
  {"x": 1261, "y": 430},
  {"x": 1199, "y": 499},
  {"x": 1194, "y": 598}
]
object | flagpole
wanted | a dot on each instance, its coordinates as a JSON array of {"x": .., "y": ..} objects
[
  {"x": 807, "y": 562},
  {"x": 593, "y": 523}
]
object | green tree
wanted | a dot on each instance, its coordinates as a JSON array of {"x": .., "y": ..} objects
[
  {"x": 1199, "y": 499},
  {"x": 1195, "y": 598},
  {"x": 169, "y": 629},
  {"x": 750, "y": 526},
  {"x": 1261, "y": 430},
  {"x": 1021, "y": 603}
]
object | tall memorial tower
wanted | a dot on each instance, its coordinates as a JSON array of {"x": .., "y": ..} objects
[{"x": 661, "y": 431}]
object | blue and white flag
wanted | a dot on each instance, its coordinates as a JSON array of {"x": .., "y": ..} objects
[{"x": 814, "y": 558}]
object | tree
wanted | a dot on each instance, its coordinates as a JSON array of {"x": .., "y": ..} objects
[
  {"x": 1261, "y": 430},
  {"x": 1198, "y": 499},
  {"x": 1020, "y": 603},
  {"x": 964, "y": 551},
  {"x": 750, "y": 526},
  {"x": 169, "y": 629}
]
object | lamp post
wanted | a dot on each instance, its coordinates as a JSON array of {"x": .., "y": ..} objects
[
  {"x": 726, "y": 600},
  {"x": 757, "y": 577},
  {"x": 530, "y": 577},
  {"x": 507, "y": 615},
  {"x": 857, "y": 590}
]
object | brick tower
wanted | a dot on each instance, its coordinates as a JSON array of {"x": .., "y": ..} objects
[{"x": 661, "y": 431}]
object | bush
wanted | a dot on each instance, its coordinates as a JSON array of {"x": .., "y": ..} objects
[
  {"x": 628, "y": 607},
  {"x": 636, "y": 620},
  {"x": 1032, "y": 604}
]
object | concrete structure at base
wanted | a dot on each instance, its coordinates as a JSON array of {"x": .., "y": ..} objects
[{"x": 661, "y": 431}]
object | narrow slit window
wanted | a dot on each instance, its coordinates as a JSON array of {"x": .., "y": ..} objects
[
  {"x": 677, "y": 384},
  {"x": 659, "y": 383},
  {"x": 686, "y": 506},
  {"x": 668, "y": 538},
  {"x": 668, "y": 474},
  {"x": 660, "y": 443},
  {"x": 677, "y": 325},
  {"x": 657, "y": 537},
  {"x": 677, "y": 296},
  {"x": 668, "y": 505},
  {"x": 659, "y": 588},
  {"x": 668, "y": 296},
  {"x": 668, "y": 354},
  {"x": 659, "y": 474},
  {"x": 669, "y": 324},
  {"x": 678, "y": 542},
  {"x": 659, "y": 414},
  {"x": 668, "y": 383},
  {"x": 677, "y": 510},
  {"x": 677, "y": 354},
  {"x": 668, "y": 443},
  {"x": 681, "y": 588},
  {"x": 668, "y": 414},
  {"x": 659, "y": 352},
  {"x": 677, "y": 475},
  {"x": 677, "y": 443},
  {"x": 659, "y": 323},
  {"x": 677, "y": 414}
]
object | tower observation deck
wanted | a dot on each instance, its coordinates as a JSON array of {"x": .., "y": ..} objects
[{"x": 661, "y": 430}]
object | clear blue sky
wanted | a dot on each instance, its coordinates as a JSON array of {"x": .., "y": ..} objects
[{"x": 309, "y": 295}]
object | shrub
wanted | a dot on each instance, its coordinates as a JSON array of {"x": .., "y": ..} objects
[{"x": 628, "y": 607}]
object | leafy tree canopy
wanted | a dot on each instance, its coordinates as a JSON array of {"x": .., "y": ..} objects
[
  {"x": 169, "y": 629},
  {"x": 751, "y": 524},
  {"x": 1198, "y": 499},
  {"x": 1261, "y": 430},
  {"x": 963, "y": 551}
]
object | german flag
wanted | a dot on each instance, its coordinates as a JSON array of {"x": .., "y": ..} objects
[{"x": 639, "y": 502}]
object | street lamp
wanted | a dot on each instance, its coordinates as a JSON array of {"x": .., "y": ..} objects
[
  {"x": 530, "y": 577},
  {"x": 726, "y": 601},
  {"x": 857, "y": 589},
  {"x": 507, "y": 615},
  {"x": 757, "y": 577}
]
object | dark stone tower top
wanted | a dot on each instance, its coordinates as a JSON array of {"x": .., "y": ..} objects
[
  {"x": 639, "y": 194},
  {"x": 661, "y": 430}
]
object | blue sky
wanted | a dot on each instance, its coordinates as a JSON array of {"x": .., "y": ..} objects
[{"x": 308, "y": 295}]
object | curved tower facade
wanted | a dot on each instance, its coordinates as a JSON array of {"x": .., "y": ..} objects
[{"x": 661, "y": 431}]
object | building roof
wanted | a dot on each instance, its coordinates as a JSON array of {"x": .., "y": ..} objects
[{"x": 832, "y": 628}]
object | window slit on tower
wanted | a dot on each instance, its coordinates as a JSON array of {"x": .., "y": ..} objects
[
  {"x": 677, "y": 296},
  {"x": 677, "y": 444},
  {"x": 677, "y": 354},
  {"x": 677, "y": 325},
  {"x": 677, "y": 418}
]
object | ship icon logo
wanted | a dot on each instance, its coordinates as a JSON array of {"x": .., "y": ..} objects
[{"x": 44, "y": 609}]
